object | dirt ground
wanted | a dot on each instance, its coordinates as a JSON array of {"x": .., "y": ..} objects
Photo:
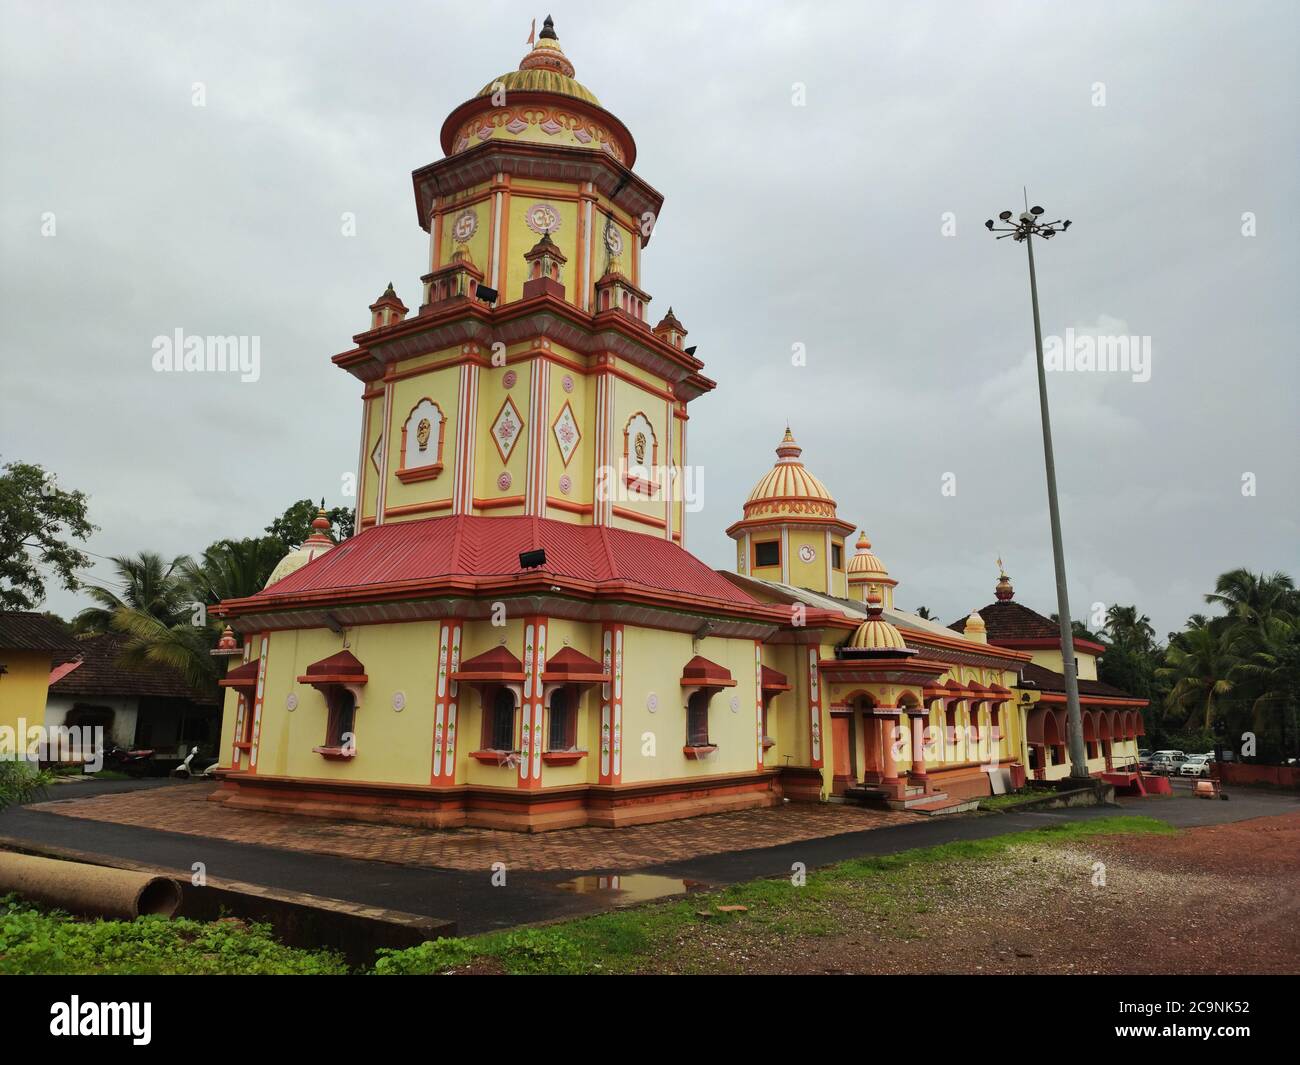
[{"x": 1222, "y": 899}]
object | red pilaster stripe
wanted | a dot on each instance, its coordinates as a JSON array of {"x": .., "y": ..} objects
[
  {"x": 264, "y": 645},
  {"x": 611, "y": 706},
  {"x": 758, "y": 702}
]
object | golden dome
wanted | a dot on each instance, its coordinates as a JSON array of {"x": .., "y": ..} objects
[
  {"x": 876, "y": 634},
  {"x": 545, "y": 69},
  {"x": 788, "y": 489},
  {"x": 864, "y": 565}
]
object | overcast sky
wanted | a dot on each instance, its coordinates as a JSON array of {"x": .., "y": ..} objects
[{"x": 1154, "y": 126}]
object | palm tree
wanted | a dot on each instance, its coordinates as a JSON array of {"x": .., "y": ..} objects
[
  {"x": 232, "y": 569},
  {"x": 182, "y": 647},
  {"x": 1253, "y": 597},
  {"x": 149, "y": 584},
  {"x": 1197, "y": 665},
  {"x": 1127, "y": 629}
]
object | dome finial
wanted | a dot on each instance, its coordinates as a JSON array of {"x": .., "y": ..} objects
[
  {"x": 1003, "y": 589},
  {"x": 788, "y": 448},
  {"x": 548, "y": 29}
]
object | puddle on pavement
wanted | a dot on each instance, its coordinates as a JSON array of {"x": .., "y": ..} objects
[{"x": 630, "y": 888}]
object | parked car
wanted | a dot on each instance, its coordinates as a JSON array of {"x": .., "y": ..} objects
[
  {"x": 1144, "y": 754},
  {"x": 1167, "y": 762},
  {"x": 1198, "y": 765}
]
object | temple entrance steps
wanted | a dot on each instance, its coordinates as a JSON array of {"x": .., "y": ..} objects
[{"x": 915, "y": 799}]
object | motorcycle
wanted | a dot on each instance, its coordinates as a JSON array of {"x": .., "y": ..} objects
[{"x": 134, "y": 762}]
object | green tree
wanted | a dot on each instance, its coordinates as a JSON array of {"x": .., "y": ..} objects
[
  {"x": 1197, "y": 665},
  {"x": 294, "y": 525},
  {"x": 1254, "y": 597},
  {"x": 149, "y": 585},
  {"x": 232, "y": 569},
  {"x": 37, "y": 522},
  {"x": 1126, "y": 628}
]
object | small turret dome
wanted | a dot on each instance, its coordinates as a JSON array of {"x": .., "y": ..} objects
[
  {"x": 864, "y": 565},
  {"x": 876, "y": 634}
]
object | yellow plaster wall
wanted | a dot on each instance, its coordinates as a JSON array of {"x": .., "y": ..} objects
[
  {"x": 23, "y": 688},
  {"x": 440, "y": 383}
]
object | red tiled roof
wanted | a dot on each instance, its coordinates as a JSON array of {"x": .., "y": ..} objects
[
  {"x": 1009, "y": 620},
  {"x": 242, "y": 677},
  {"x": 1049, "y": 680},
  {"x": 100, "y": 673},
  {"x": 340, "y": 665},
  {"x": 469, "y": 546},
  {"x": 22, "y": 630},
  {"x": 774, "y": 680}
]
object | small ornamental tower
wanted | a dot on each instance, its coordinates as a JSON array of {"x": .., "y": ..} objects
[
  {"x": 670, "y": 330},
  {"x": 868, "y": 576},
  {"x": 459, "y": 279},
  {"x": 387, "y": 310},
  {"x": 791, "y": 532},
  {"x": 1003, "y": 590},
  {"x": 615, "y": 292},
  {"x": 975, "y": 629},
  {"x": 545, "y": 268}
]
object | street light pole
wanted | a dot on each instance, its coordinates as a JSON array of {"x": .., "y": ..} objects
[{"x": 1024, "y": 230}]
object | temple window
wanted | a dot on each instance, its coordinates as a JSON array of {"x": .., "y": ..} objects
[
  {"x": 697, "y": 719},
  {"x": 341, "y": 719},
  {"x": 499, "y": 721},
  {"x": 767, "y": 553},
  {"x": 562, "y": 726},
  {"x": 837, "y": 556}
]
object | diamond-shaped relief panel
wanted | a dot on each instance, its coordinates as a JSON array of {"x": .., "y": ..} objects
[
  {"x": 506, "y": 429},
  {"x": 567, "y": 434}
]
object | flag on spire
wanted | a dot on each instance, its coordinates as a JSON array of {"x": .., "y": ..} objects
[{"x": 532, "y": 34}]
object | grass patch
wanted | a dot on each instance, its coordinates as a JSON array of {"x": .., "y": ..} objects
[
  {"x": 38, "y": 941},
  {"x": 1002, "y": 802},
  {"x": 880, "y": 892}
]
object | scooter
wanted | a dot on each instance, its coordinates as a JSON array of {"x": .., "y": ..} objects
[
  {"x": 195, "y": 765},
  {"x": 133, "y": 762}
]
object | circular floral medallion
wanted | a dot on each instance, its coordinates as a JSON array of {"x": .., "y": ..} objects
[
  {"x": 567, "y": 383},
  {"x": 465, "y": 226},
  {"x": 399, "y": 701},
  {"x": 504, "y": 481},
  {"x": 291, "y": 702},
  {"x": 509, "y": 379},
  {"x": 614, "y": 240},
  {"x": 735, "y": 704},
  {"x": 542, "y": 218},
  {"x": 652, "y": 702},
  {"x": 566, "y": 484}
]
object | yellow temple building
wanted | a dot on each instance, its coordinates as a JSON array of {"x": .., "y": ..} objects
[{"x": 515, "y": 637}]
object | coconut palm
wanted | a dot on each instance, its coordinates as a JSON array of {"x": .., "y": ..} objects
[
  {"x": 183, "y": 647},
  {"x": 232, "y": 569},
  {"x": 1253, "y": 597},
  {"x": 1197, "y": 666},
  {"x": 148, "y": 584},
  {"x": 1127, "y": 629}
]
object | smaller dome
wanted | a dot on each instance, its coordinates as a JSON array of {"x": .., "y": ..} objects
[
  {"x": 312, "y": 548},
  {"x": 876, "y": 634},
  {"x": 864, "y": 565},
  {"x": 788, "y": 489},
  {"x": 975, "y": 623}
]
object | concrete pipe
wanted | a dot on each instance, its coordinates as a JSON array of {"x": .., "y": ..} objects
[{"x": 92, "y": 890}]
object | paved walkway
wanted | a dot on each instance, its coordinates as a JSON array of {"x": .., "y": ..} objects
[
  {"x": 468, "y": 897},
  {"x": 185, "y": 809}
]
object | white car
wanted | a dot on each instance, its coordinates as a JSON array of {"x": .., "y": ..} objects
[{"x": 1198, "y": 765}]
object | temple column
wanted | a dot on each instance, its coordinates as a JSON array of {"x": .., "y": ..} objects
[
  {"x": 918, "y": 718},
  {"x": 888, "y": 718}
]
